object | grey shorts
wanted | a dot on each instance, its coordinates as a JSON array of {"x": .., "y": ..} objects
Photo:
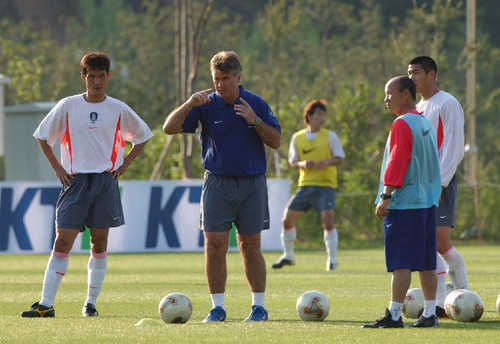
[
  {"x": 318, "y": 197},
  {"x": 242, "y": 200},
  {"x": 92, "y": 200},
  {"x": 448, "y": 205}
]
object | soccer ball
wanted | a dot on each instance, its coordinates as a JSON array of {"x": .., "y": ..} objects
[
  {"x": 498, "y": 304},
  {"x": 313, "y": 306},
  {"x": 414, "y": 303},
  {"x": 463, "y": 305},
  {"x": 449, "y": 287},
  {"x": 175, "y": 308}
]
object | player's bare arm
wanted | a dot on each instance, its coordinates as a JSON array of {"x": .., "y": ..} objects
[
  {"x": 302, "y": 164},
  {"x": 270, "y": 135},
  {"x": 325, "y": 163},
  {"x": 60, "y": 172},
  {"x": 134, "y": 152},
  {"x": 173, "y": 122}
]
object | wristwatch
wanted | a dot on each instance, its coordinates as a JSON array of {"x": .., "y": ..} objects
[
  {"x": 385, "y": 196},
  {"x": 258, "y": 121}
]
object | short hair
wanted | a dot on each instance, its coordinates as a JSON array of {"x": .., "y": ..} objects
[
  {"x": 405, "y": 83},
  {"x": 312, "y": 106},
  {"x": 427, "y": 63},
  {"x": 226, "y": 61},
  {"x": 95, "y": 61}
]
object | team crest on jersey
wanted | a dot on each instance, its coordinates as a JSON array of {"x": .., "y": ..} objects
[{"x": 93, "y": 117}]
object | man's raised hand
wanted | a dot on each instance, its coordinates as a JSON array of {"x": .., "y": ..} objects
[{"x": 200, "y": 98}]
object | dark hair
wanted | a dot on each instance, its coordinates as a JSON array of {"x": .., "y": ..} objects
[
  {"x": 226, "y": 61},
  {"x": 427, "y": 63},
  {"x": 95, "y": 61},
  {"x": 405, "y": 83},
  {"x": 312, "y": 106}
]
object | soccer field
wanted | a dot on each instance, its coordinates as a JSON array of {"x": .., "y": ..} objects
[{"x": 358, "y": 292}]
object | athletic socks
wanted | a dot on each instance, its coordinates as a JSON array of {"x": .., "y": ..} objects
[
  {"x": 97, "y": 266},
  {"x": 217, "y": 300},
  {"x": 457, "y": 271},
  {"x": 288, "y": 237},
  {"x": 395, "y": 308},
  {"x": 441, "y": 268},
  {"x": 258, "y": 299},
  {"x": 55, "y": 271},
  {"x": 331, "y": 239},
  {"x": 429, "y": 308}
]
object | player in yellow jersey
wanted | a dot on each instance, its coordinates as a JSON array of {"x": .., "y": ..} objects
[{"x": 316, "y": 152}]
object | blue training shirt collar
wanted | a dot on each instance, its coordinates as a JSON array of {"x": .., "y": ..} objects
[{"x": 221, "y": 103}]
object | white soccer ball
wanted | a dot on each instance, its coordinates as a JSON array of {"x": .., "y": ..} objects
[
  {"x": 313, "y": 306},
  {"x": 175, "y": 308},
  {"x": 498, "y": 304},
  {"x": 414, "y": 303},
  {"x": 463, "y": 305},
  {"x": 449, "y": 287}
]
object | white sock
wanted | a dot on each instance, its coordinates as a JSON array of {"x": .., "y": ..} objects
[
  {"x": 288, "y": 241},
  {"x": 217, "y": 300},
  {"x": 331, "y": 239},
  {"x": 429, "y": 308},
  {"x": 457, "y": 271},
  {"x": 98, "y": 263},
  {"x": 395, "y": 308},
  {"x": 56, "y": 269},
  {"x": 441, "y": 268},
  {"x": 258, "y": 299}
]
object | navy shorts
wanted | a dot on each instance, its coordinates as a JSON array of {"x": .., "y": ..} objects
[
  {"x": 410, "y": 239},
  {"x": 448, "y": 205},
  {"x": 92, "y": 200},
  {"x": 318, "y": 197},
  {"x": 242, "y": 200}
]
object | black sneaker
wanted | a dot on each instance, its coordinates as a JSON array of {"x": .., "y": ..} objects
[
  {"x": 89, "y": 310},
  {"x": 441, "y": 313},
  {"x": 386, "y": 322},
  {"x": 39, "y": 311},
  {"x": 431, "y": 321},
  {"x": 282, "y": 262}
]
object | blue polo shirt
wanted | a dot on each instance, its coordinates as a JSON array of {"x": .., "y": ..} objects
[{"x": 229, "y": 145}]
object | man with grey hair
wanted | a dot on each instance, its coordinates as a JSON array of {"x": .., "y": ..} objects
[{"x": 235, "y": 125}]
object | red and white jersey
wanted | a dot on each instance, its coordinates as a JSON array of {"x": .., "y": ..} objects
[
  {"x": 92, "y": 135},
  {"x": 446, "y": 115}
]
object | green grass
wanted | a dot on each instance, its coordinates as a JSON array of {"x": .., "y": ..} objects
[{"x": 135, "y": 283}]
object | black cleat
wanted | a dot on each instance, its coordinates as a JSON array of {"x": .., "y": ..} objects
[
  {"x": 386, "y": 322},
  {"x": 331, "y": 266},
  {"x": 282, "y": 262},
  {"x": 39, "y": 311},
  {"x": 441, "y": 313},
  {"x": 89, "y": 310},
  {"x": 431, "y": 321}
]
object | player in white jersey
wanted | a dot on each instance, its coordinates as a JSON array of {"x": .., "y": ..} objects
[
  {"x": 92, "y": 128},
  {"x": 447, "y": 116}
]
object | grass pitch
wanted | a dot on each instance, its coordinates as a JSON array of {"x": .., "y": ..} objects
[{"x": 358, "y": 292}]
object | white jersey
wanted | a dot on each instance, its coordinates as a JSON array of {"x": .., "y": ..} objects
[
  {"x": 446, "y": 115},
  {"x": 335, "y": 146},
  {"x": 92, "y": 135}
]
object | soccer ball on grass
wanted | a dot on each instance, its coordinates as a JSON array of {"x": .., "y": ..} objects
[
  {"x": 175, "y": 308},
  {"x": 414, "y": 303},
  {"x": 313, "y": 306},
  {"x": 463, "y": 305}
]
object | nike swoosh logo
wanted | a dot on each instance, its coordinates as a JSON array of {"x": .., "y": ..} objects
[
  {"x": 425, "y": 132},
  {"x": 443, "y": 217},
  {"x": 217, "y": 122},
  {"x": 389, "y": 225},
  {"x": 305, "y": 151}
]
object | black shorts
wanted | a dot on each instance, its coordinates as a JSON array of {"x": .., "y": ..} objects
[
  {"x": 92, "y": 200},
  {"x": 318, "y": 197},
  {"x": 448, "y": 205},
  {"x": 242, "y": 200}
]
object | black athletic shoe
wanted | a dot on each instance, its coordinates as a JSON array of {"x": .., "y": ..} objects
[
  {"x": 89, "y": 310},
  {"x": 39, "y": 311},
  {"x": 282, "y": 262},
  {"x": 386, "y": 322},
  {"x": 441, "y": 313},
  {"x": 431, "y": 321}
]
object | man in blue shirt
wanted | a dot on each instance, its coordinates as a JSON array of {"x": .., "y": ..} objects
[{"x": 235, "y": 125}]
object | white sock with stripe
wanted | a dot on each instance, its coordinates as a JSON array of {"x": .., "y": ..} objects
[
  {"x": 288, "y": 237},
  {"x": 457, "y": 271},
  {"x": 331, "y": 239},
  {"x": 55, "y": 271},
  {"x": 98, "y": 263},
  {"x": 441, "y": 268}
]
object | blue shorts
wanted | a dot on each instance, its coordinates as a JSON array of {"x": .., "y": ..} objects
[
  {"x": 92, "y": 200},
  {"x": 410, "y": 239},
  {"x": 242, "y": 200},
  {"x": 318, "y": 197},
  {"x": 448, "y": 205}
]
